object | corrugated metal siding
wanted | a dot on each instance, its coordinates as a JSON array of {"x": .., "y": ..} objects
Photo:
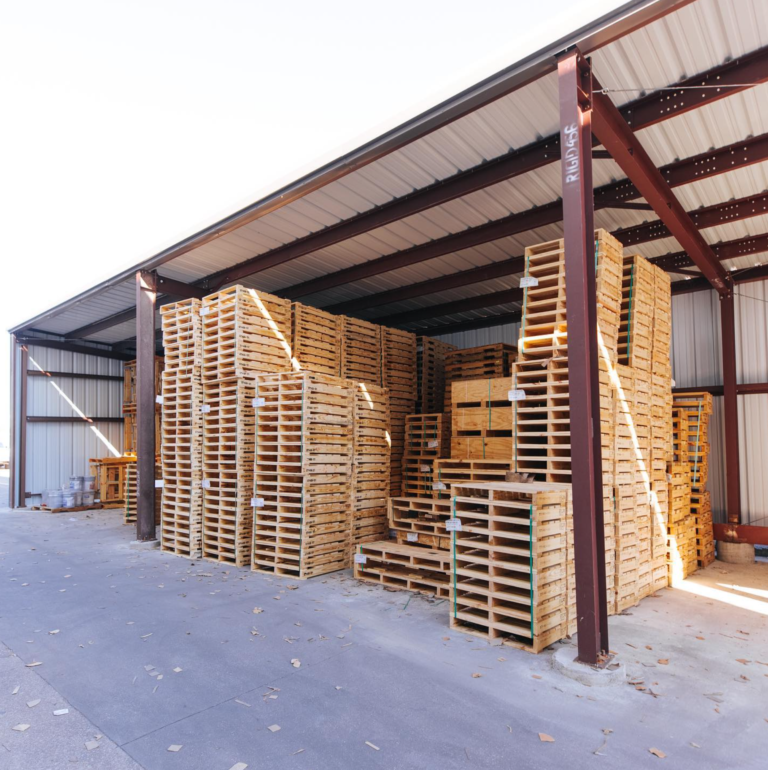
[
  {"x": 56, "y": 451},
  {"x": 475, "y": 337}
]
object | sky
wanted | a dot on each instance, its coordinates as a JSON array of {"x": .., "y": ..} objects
[{"x": 128, "y": 125}]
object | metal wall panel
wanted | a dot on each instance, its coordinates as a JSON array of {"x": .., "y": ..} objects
[
  {"x": 471, "y": 339},
  {"x": 56, "y": 451}
]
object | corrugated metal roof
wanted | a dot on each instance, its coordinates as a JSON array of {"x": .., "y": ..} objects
[{"x": 692, "y": 39}]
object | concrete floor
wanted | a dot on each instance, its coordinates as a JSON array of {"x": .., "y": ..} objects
[{"x": 375, "y": 666}]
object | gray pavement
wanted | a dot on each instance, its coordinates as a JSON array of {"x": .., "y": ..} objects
[{"x": 376, "y": 667}]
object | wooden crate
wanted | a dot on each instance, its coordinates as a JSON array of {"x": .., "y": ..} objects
[
  {"x": 303, "y": 474},
  {"x": 110, "y": 478},
  {"x": 430, "y": 374},
  {"x": 228, "y": 452},
  {"x": 406, "y": 567},
  {"x": 316, "y": 339},
  {"x": 509, "y": 563},
  {"x": 361, "y": 359},
  {"x": 370, "y": 481},
  {"x": 245, "y": 332}
]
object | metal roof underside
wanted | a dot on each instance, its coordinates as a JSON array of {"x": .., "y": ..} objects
[{"x": 692, "y": 38}]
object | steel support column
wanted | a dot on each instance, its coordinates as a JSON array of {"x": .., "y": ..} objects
[
  {"x": 575, "y": 86},
  {"x": 730, "y": 409},
  {"x": 146, "y": 295}
]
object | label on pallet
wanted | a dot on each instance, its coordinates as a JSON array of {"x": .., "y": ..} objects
[
  {"x": 205, "y": 310},
  {"x": 453, "y": 525},
  {"x": 360, "y": 558},
  {"x": 412, "y": 537},
  {"x": 516, "y": 395},
  {"x": 159, "y": 483},
  {"x": 439, "y": 485},
  {"x": 205, "y": 408},
  {"x": 432, "y": 444},
  {"x": 528, "y": 281},
  {"x": 206, "y": 483},
  {"x": 158, "y": 399},
  {"x": 257, "y": 502},
  {"x": 258, "y": 402},
  {"x": 669, "y": 478},
  {"x": 424, "y": 468}
]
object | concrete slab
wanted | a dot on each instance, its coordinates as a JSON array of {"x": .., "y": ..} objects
[{"x": 406, "y": 680}]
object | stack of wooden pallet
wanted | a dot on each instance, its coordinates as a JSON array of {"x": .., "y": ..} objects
[
  {"x": 316, "y": 339},
  {"x": 245, "y": 333},
  {"x": 182, "y": 429},
  {"x": 482, "y": 420},
  {"x": 449, "y": 472},
  {"x": 691, "y": 415},
  {"x": 302, "y": 473},
  {"x": 129, "y": 404},
  {"x": 398, "y": 375},
  {"x": 427, "y": 439},
  {"x": 483, "y": 362},
  {"x": 681, "y": 538},
  {"x": 430, "y": 374},
  {"x": 370, "y": 481},
  {"x": 510, "y": 555},
  {"x": 360, "y": 351},
  {"x": 130, "y": 491}
]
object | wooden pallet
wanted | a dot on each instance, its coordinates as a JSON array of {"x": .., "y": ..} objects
[
  {"x": 228, "y": 453},
  {"x": 130, "y": 493},
  {"x": 449, "y": 472},
  {"x": 371, "y": 484},
  {"x": 418, "y": 476},
  {"x": 315, "y": 339},
  {"x": 361, "y": 351},
  {"x": 635, "y": 338},
  {"x": 130, "y": 383},
  {"x": 420, "y": 520},
  {"x": 427, "y": 436},
  {"x": 75, "y": 509},
  {"x": 182, "y": 463},
  {"x": 245, "y": 332},
  {"x": 182, "y": 327},
  {"x": 409, "y": 568},
  {"x": 303, "y": 474},
  {"x": 430, "y": 374},
  {"x": 509, "y": 563},
  {"x": 398, "y": 363}
]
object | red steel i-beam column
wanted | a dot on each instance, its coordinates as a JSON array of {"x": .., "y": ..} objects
[
  {"x": 731, "y": 409},
  {"x": 146, "y": 294},
  {"x": 575, "y": 85}
]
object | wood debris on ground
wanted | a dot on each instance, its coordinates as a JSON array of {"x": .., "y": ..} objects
[
  {"x": 544, "y": 738},
  {"x": 657, "y": 753},
  {"x": 375, "y": 748},
  {"x": 174, "y": 747}
]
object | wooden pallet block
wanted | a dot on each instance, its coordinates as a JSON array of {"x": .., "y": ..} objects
[
  {"x": 245, "y": 332},
  {"x": 303, "y": 474},
  {"x": 405, "y": 567},
  {"x": 315, "y": 339},
  {"x": 228, "y": 452},
  {"x": 509, "y": 563}
]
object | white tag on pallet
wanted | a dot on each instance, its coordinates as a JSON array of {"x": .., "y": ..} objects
[
  {"x": 206, "y": 483},
  {"x": 159, "y": 483},
  {"x": 516, "y": 395},
  {"x": 432, "y": 444},
  {"x": 257, "y": 502},
  {"x": 424, "y": 468},
  {"x": 360, "y": 558},
  {"x": 528, "y": 281},
  {"x": 205, "y": 310},
  {"x": 412, "y": 537},
  {"x": 438, "y": 485},
  {"x": 453, "y": 525},
  {"x": 158, "y": 399},
  {"x": 205, "y": 408},
  {"x": 258, "y": 402}
]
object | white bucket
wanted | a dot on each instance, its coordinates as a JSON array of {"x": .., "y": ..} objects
[
  {"x": 89, "y": 483},
  {"x": 53, "y": 498},
  {"x": 76, "y": 483},
  {"x": 68, "y": 498},
  {"x": 87, "y": 498}
]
